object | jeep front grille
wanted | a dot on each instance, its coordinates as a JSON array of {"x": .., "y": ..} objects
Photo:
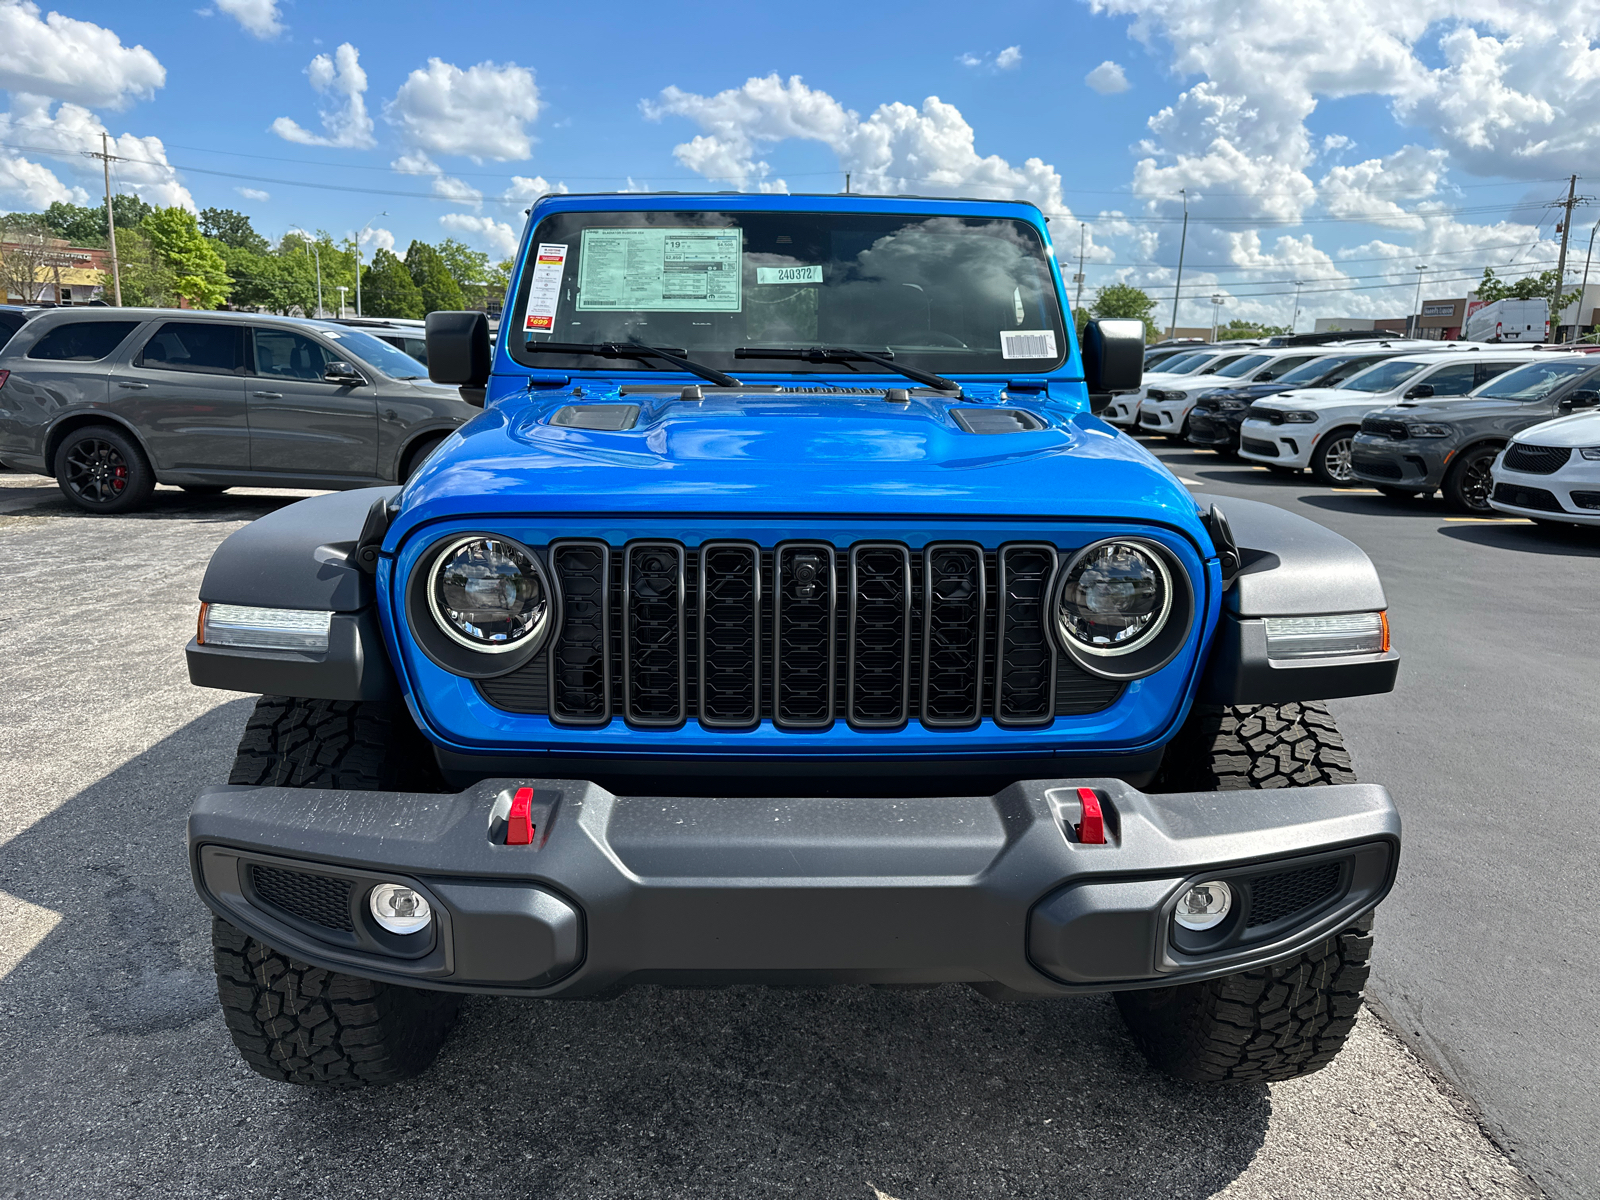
[{"x": 803, "y": 634}]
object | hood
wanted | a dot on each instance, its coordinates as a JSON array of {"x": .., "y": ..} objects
[
  {"x": 1579, "y": 429},
  {"x": 802, "y": 452},
  {"x": 1250, "y": 391},
  {"x": 1446, "y": 408},
  {"x": 1320, "y": 398}
]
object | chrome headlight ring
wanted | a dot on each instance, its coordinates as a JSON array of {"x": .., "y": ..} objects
[
  {"x": 444, "y": 634},
  {"x": 1163, "y": 589}
]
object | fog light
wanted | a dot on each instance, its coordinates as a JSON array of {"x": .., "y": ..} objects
[
  {"x": 1204, "y": 905},
  {"x": 399, "y": 909}
]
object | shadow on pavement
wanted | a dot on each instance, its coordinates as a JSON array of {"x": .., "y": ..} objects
[
  {"x": 164, "y": 504},
  {"x": 1576, "y": 542},
  {"x": 119, "y": 1077},
  {"x": 1370, "y": 505}
]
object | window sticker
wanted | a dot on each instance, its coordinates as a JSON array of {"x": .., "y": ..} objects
[
  {"x": 544, "y": 292},
  {"x": 1027, "y": 343},
  {"x": 660, "y": 270},
  {"x": 789, "y": 274}
]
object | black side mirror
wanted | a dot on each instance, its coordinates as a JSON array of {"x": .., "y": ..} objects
[
  {"x": 343, "y": 372},
  {"x": 1421, "y": 392},
  {"x": 458, "y": 348},
  {"x": 1113, "y": 359},
  {"x": 1577, "y": 400}
]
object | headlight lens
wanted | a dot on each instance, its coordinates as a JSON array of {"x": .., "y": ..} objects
[
  {"x": 1174, "y": 395},
  {"x": 1429, "y": 431},
  {"x": 1299, "y": 418},
  {"x": 1204, "y": 905},
  {"x": 488, "y": 594},
  {"x": 1114, "y": 599},
  {"x": 1590, "y": 452},
  {"x": 1231, "y": 405}
]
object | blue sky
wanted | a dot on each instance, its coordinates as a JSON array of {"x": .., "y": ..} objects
[{"x": 1337, "y": 143}]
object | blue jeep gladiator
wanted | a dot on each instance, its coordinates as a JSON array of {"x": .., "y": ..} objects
[{"x": 788, "y": 616}]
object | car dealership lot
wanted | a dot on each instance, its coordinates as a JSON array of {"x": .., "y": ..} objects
[{"x": 118, "y": 1076}]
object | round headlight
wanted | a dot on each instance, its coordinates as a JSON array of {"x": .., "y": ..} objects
[
  {"x": 1116, "y": 598},
  {"x": 488, "y": 594}
]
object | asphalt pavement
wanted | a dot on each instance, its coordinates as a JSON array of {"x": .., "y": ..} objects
[{"x": 117, "y": 1077}]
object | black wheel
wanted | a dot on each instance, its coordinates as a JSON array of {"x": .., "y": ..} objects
[
  {"x": 203, "y": 489},
  {"x": 417, "y": 454},
  {"x": 1467, "y": 486},
  {"x": 1330, "y": 461},
  {"x": 102, "y": 470},
  {"x": 301, "y": 1024},
  {"x": 1395, "y": 493},
  {"x": 1288, "y": 1018}
]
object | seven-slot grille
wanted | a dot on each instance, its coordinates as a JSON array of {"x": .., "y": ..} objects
[
  {"x": 1273, "y": 416},
  {"x": 1384, "y": 427},
  {"x": 1536, "y": 460},
  {"x": 803, "y": 634}
]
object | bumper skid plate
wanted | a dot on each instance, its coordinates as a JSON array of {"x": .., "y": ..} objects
[{"x": 995, "y": 891}]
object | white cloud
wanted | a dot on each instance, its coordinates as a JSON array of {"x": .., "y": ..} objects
[
  {"x": 33, "y": 185},
  {"x": 342, "y": 84},
  {"x": 1006, "y": 60},
  {"x": 72, "y": 129},
  {"x": 1108, "y": 79},
  {"x": 525, "y": 191},
  {"x": 497, "y": 236},
  {"x": 1009, "y": 58},
  {"x": 447, "y": 187},
  {"x": 1373, "y": 190},
  {"x": 67, "y": 59},
  {"x": 260, "y": 17},
  {"x": 898, "y": 148},
  {"x": 482, "y": 112},
  {"x": 376, "y": 239},
  {"x": 253, "y": 193}
]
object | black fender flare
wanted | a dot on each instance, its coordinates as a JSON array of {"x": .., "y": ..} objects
[{"x": 82, "y": 418}]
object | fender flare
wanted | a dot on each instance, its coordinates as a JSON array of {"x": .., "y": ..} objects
[{"x": 82, "y": 418}]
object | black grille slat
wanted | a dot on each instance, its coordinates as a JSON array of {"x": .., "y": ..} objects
[
  {"x": 1025, "y": 669},
  {"x": 318, "y": 899},
  {"x": 730, "y": 635},
  {"x": 879, "y": 635},
  {"x": 954, "y": 592},
  {"x": 804, "y": 635},
  {"x": 1275, "y": 897},
  {"x": 1381, "y": 467},
  {"x": 1383, "y": 427},
  {"x": 1536, "y": 460},
  {"x": 653, "y": 635},
  {"x": 1518, "y": 496},
  {"x": 580, "y": 656}
]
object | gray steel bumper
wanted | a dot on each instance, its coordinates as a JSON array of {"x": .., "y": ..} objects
[{"x": 994, "y": 891}]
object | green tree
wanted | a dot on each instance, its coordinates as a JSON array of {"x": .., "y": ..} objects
[
  {"x": 231, "y": 228},
  {"x": 439, "y": 289},
  {"x": 497, "y": 282},
  {"x": 79, "y": 226},
  {"x": 199, "y": 274},
  {"x": 147, "y": 280},
  {"x": 1234, "y": 330},
  {"x": 469, "y": 268},
  {"x": 1532, "y": 287},
  {"x": 1123, "y": 300},
  {"x": 387, "y": 289}
]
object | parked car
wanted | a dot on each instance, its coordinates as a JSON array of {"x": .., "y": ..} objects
[
  {"x": 689, "y": 637},
  {"x": 1422, "y": 445},
  {"x": 1165, "y": 408},
  {"x": 1551, "y": 472},
  {"x": 1315, "y": 427},
  {"x": 402, "y": 333},
  {"x": 113, "y": 401},
  {"x": 1124, "y": 410},
  {"x": 1215, "y": 419}
]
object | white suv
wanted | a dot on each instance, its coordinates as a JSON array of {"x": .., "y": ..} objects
[
  {"x": 1166, "y": 404},
  {"x": 1124, "y": 409},
  {"x": 1312, "y": 427},
  {"x": 1551, "y": 472}
]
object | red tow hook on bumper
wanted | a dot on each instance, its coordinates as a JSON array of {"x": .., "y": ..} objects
[
  {"x": 519, "y": 821},
  {"x": 1091, "y": 829}
]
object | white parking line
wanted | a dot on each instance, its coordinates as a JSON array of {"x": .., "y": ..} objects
[{"x": 1490, "y": 520}]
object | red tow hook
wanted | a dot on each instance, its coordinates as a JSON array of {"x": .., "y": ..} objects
[
  {"x": 1091, "y": 830},
  {"x": 519, "y": 821}
]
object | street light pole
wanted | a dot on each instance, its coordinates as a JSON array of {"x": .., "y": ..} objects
[
  {"x": 1294, "y": 320},
  {"x": 359, "y": 236},
  {"x": 1584, "y": 290},
  {"x": 1217, "y": 301},
  {"x": 343, "y": 288},
  {"x": 1183, "y": 243},
  {"x": 1416, "y": 320},
  {"x": 1083, "y": 235}
]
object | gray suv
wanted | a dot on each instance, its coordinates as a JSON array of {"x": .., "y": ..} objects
[
  {"x": 112, "y": 401},
  {"x": 1449, "y": 443}
]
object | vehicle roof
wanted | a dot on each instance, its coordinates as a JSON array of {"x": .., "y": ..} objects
[
  {"x": 374, "y": 322},
  {"x": 60, "y": 315},
  {"x": 552, "y": 202}
]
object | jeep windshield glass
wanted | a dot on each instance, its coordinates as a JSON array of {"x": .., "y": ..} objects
[
  {"x": 1383, "y": 377},
  {"x": 1532, "y": 382},
  {"x": 942, "y": 295}
]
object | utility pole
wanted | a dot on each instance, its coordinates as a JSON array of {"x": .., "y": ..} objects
[
  {"x": 1561, "y": 263},
  {"x": 1183, "y": 242},
  {"x": 106, "y": 157},
  {"x": 1416, "y": 320},
  {"x": 1083, "y": 235},
  {"x": 847, "y": 183},
  {"x": 1583, "y": 291},
  {"x": 1293, "y": 320}
]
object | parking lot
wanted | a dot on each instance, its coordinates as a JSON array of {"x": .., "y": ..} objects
[{"x": 120, "y": 1079}]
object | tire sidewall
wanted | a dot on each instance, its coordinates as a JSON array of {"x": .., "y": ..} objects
[
  {"x": 1454, "y": 484},
  {"x": 1319, "y": 457},
  {"x": 141, "y": 479}
]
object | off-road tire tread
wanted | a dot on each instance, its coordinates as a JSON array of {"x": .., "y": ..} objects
[
  {"x": 300, "y": 1024},
  {"x": 1269, "y": 1024},
  {"x": 346, "y": 744},
  {"x": 1256, "y": 746}
]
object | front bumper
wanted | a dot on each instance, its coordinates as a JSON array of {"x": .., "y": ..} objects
[
  {"x": 1281, "y": 445},
  {"x": 1570, "y": 494},
  {"x": 995, "y": 891},
  {"x": 1163, "y": 416},
  {"x": 1418, "y": 464},
  {"x": 1123, "y": 411},
  {"x": 1210, "y": 427}
]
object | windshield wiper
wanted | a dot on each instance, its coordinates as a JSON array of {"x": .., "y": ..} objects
[
  {"x": 635, "y": 350},
  {"x": 841, "y": 354}
]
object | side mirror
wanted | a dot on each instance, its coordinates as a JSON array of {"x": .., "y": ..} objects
[
  {"x": 343, "y": 372},
  {"x": 1421, "y": 392},
  {"x": 1113, "y": 359},
  {"x": 1579, "y": 400},
  {"x": 458, "y": 348}
]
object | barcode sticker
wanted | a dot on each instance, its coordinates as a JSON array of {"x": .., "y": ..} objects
[{"x": 1027, "y": 343}]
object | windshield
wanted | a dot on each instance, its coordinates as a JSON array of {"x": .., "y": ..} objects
[
  {"x": 1180, "y": 364},
  {"x": 1383, "y": 377},
  {"x": 1534, "y": 381},
  {"x": 1244, "y": 366},
  {"x": 944, "y": 294},
  {"x": 1315, "y": 369},
  {"x": 1193, "y": 364},
  {"x": 375, "y": 352}
]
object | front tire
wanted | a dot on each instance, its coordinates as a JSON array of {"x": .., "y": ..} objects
[
  {"x": 103, "y": 471},
  {"x": 1467, "y": 486},
  {"x": 1330, "y": 461},
  {"x": 1288, "y": 1018},
  {"x": 295, "y": 1023}
]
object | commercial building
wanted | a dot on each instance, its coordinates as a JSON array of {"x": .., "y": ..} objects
[{"x": 53, "y": 271}]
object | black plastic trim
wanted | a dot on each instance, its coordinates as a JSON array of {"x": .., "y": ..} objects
[
  {"x": 355, "y": 666},
  {"x": 1240, "y": 672}
]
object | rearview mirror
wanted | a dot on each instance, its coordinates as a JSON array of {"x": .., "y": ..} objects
[
  {"x": 1421, "y": 392},
  {"x": 1113, "y": 359},
  {"x": 1580, "y": 400},
  {"x": 458, "y": 348},
  {"x": 342, "y": 372}
]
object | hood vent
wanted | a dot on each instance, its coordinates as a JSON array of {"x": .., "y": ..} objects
[
  {"x": 996, "y": 420},
  {"x": 612, "y": 417}
]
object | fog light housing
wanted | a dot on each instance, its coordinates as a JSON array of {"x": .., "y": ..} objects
[
  {"x": 1204, "y": 905},
  {"x": 399, "y": 909}
]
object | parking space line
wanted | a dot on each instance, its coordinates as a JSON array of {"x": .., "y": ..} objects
[{"x": 1490, "y": 520}]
